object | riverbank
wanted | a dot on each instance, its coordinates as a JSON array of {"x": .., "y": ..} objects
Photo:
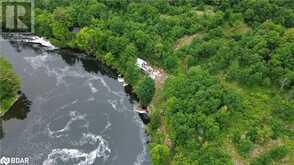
[
  {"x": 9, "y": 86},
  {"x": 156, "y": 74},
  {"x": 17, "y": 98},
  {"x": 4, "y": 111}
]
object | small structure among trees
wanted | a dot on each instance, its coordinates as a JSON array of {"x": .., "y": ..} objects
[{"x": 143, "y": 65}]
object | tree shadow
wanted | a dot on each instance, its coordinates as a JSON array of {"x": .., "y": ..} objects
[
  {"x": 90, "y": 63},
  {"x": 19, "y": 111}
]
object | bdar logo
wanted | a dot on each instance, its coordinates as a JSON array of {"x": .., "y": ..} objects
[{"x": 4, "y": 160}]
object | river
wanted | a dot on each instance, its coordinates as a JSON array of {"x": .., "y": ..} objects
[{"x": 74, "y": 111}]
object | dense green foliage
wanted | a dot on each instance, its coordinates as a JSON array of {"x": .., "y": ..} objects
[
  {"x": 159, "y": 154},
  {"x": 145, "y": 90},
  {"x": 229, "y": 95},
  {"x": 198, "y": 110},
  {"x": 274, "y": 154},
  {"x": 263, "y": 56},
  {"x": 9, "y": 85}
]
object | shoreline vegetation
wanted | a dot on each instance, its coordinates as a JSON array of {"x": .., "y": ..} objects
[
  {"x": 2, "y": 113},
  {"x": 9, "y": 86},
  {"x": 228, "y": 96}
]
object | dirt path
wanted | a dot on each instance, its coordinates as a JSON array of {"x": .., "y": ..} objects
[
  {"x": 160, "y": 78},
  {"x": 185, "y": 40},
  {"x": 236, "y": 158}
]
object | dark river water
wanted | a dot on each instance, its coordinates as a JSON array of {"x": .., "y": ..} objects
[{"x": 74, "y": 111}]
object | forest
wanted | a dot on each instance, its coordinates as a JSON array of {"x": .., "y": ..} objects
[
  {"x": 229, "y": 94},
  {"x": 9, "y": 85}
]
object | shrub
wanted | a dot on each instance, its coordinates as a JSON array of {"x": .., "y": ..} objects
[
  {"x": 159, "y": 154},
  {"x": 273, "y": 155},
  {"x": 145, "y": 90}
]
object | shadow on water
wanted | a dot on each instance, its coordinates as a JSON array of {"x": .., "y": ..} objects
[
  {"x": 18, "y": 111},
  {"x": 21, "y": 46},
  {"x": 90, "y": 64}
]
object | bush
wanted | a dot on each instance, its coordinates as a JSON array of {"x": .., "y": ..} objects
[
  {"x": 145, "y": 90},
  {"x": 155, "y": 120},
  {"x": 273, "y": 155},
  {"x": 245, "y": 146},
  {"x": 159, "y": 154}
]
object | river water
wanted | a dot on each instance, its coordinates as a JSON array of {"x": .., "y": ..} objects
[{"x": 74, "y": 111}]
